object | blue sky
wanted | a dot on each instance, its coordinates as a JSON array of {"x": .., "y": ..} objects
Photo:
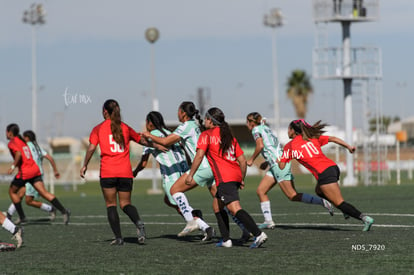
[{"x": 97, "y": 50}]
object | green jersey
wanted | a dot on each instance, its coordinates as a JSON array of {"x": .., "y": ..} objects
[
  {"x": 272, "y": 148},
  {"x": 38, "y": 154},
  {"x": 172, "y": 163},
  {"x": 189, "y": 133}
]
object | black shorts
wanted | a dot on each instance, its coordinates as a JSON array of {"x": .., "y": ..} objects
[
  {"x": 228, "y": 192},
  {"x": 121, "y": 184},
  {"x": 22, "y": 182},
  {"x": 329, "y": 175}
]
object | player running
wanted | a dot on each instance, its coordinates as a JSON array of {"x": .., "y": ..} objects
[
  {"x": 268, "y": 144},
  {"x": 305, "y": 147}
]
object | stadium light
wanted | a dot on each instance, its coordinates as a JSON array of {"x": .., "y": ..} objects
[
  {"x": 152, "y": 34},
  {"x": 274, "y": 20},
  {"x": 34, "y": 16}
]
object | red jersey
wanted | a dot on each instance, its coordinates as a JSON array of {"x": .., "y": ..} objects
[
  {"x": 27, "y": 166},
  {"x": 225, "y": 167},
  {"x": 308, "y": 153},
  {"x": 115, "y": 162}
]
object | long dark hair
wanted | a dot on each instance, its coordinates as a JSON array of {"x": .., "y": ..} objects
[
  {"x": 301, "y": 127},
  {"x": 226, "y": 136},
  {"x": 15, "y": 130},
  {"x": 190, "y": 109},
  {"x": 32, "y": 137},
  {"x": 114, "y": 111},
  {"x": 158, "y": 121}
]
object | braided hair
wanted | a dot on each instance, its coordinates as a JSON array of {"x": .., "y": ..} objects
[
  {"x": 190, "y": 110},
  {"x": 32, "y": 137}
]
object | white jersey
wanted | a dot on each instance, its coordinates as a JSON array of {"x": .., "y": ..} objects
[
  {"x": 272, "y": 149},
  {"x": 189, "y": 131}
]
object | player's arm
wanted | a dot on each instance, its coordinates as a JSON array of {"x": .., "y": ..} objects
[
  {"x": 53, "y": 163},
  {"x": 88, "y": 156},
  {"x": 141, "y": 165},
  {"x": 147, "y": 143},
  {"x": 17, "y": 158},
  {"x": 257, "y": 150},
  {"x": 341, "y": 142},
  {"x": 165, "y": 141},
  {"x": 194, "y": 166},
  {"x": 243, "y": 165}
]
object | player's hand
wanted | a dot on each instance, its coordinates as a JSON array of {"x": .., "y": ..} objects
[
  {"x": 242, "y": 185},
  {"x": 249, "y": 162},
  {"x": 188, "y": 179},
  {"x": 57, "y": 174},
  {"x": 83, "y": 171},
  {"x": 351, "y": 149},
  {"x": 146, "y": 134}
]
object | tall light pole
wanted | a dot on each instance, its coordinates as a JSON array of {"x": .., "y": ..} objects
[
  {"x": 152, "y": 35},
  {"x": 274, "y": 19},
  {"x": 34, "y": 16}
]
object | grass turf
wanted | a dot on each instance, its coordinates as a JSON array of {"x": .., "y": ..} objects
[{"x": 306, "y": 240}]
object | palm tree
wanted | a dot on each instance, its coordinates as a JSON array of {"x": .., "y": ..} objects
[{"x": 299, "y": 88}]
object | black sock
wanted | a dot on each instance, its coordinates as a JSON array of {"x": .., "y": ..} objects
[
  {"x": 223, "y": 224},
  {"x": 56, "y": 203},
  {"x": 19, "y": 210},
  {"x": 248, "y": 222},
  {"x": 113, "y": 220},
  {"x": 349, "y": 209},
  {"x": 132, "y": 213}
]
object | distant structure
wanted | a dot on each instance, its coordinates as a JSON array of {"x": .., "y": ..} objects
[{"x": 358, "y": 67}]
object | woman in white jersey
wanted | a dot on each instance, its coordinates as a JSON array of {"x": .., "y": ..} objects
[
  {"x": 173, "y": 165},
  {"x": 38, "y": 154},
  {"x": 268, "y": 144}
]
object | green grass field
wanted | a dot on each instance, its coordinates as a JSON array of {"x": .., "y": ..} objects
[{"x": 306, "y": 240}]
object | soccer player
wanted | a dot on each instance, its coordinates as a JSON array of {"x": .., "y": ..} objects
[
  {"x": 229, "y": 168},
  {"x": 28, "y": 171},
  {"x": 173, "y": 165},
  {"x": 113, "y": 137},
  {"x": 187, "y": 133},
  {"x": 38, "y": 154},
  {"x": 268, "y": 144},
  {"x": 8, "y": 225},
  {"x": 305, "y": 147}
]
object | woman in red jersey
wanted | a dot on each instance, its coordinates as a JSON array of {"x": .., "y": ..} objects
[
  {"x": 228, "y": 163},
  {"x": 28, "y": 172},
  {"x": 305, "y": 147},
  {"x": 113, "y": 137}
]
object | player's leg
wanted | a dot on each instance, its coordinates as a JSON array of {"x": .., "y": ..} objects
[
  {"x": 109, "y": 193},
  {"x": 16, "y": 196},
  {"x": 267, "y": 183}
]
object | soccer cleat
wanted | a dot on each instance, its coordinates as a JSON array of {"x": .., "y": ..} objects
[
  {"x": 4, "y": 247},
  {"x": 227, "y": 243},
  {"x": 259, "y": 240},
  {"x": 52, "y": 213},
  {"x": 141, "y": 232},
  {"x": 267, "y": 225},
  {"x": 18, "y": 236},
  {"x": 190, "y": 227},
  {"x": 328, "y": 207},
  {"x": 210, "y": 233},
  {"x": 66, "y": 217},
  {"x": 117, "y": 241},
  {"x": 346, "y": 216},
  {"x": 5, "y": 213},
  {"x": 368, "y": 221}
]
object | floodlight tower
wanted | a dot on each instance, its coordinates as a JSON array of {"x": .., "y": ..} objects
[
  {"x": 274, "y": 20},
  {"x": 152, "y": 34},
  {"x": 346, "y": 63},
  {"x": 34, "y": 16}
]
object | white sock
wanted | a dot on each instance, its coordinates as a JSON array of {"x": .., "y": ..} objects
[
  {"x": 12, "y": 209},
  {"x": 184, "y": 206},
  {"x": 202, "y": 224},
  {"x": 9, "y": 226},
  {"x": 46, "y": 207},
  {"x": 267, "y": 212}
]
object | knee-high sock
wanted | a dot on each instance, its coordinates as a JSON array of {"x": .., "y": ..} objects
[
  {"x": 223, "y": 224},
  {"x": 132, "y": 213},
  {"x": 9, "y": 226},
  {"x": 56, "y": 203},
  {"x": 349, "y": 209},
  {"x": 19, "y": 210},
  {"x": 185, "y": 208},
  {"x": 113, "y": 220},
  {"x": 307, "y": 198},
  {"x": 11, "y": 210},
  {"x": 238, "y": 222},
  {"x": 266, "y": 210},
  {"x": 248, "y": 221}
]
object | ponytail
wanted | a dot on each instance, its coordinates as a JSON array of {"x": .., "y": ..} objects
[
  {"x": 226, "y": 136},
  {"x": 191, "y": 111},
  {"x": 32, "y": 137},
  {"x": 114, "y": 111},
  {"x": 301, "y": 127}
]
